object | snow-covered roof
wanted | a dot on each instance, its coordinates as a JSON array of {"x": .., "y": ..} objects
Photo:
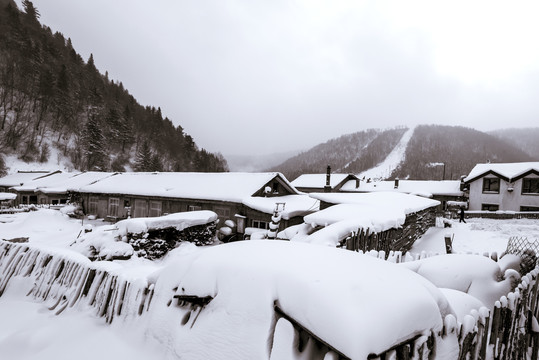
[
  {"x": 358, "y": 315},
  {"x": 426, "y": 188},
  {"x": 7, "y": 196},
  {"x": 375, "y": 212},
  {"x": 384, "y": 200},
  {"x": 295, "y": 205},
  {"x": 508, "y": 171},
  {"x": 318, "y": 180},
  {"x": 232, "y": 186},
  {"x": 22, "y": 177},
  {"x": 74, "y": 182},
  {"x": 53, "y": 180}
]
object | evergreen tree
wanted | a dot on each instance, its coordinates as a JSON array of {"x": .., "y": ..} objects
[
  {"x": 30, "y": 10},
  {"x": 143, "y": 161},
  {"x": 94, "y": 141}
]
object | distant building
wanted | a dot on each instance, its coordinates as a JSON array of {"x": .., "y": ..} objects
[
  {"x": 20, "y": 178},
  {"x": 505, "y": 186},
  {"x": 327, "y": 182},
  {"x": 445, "y": 191}
]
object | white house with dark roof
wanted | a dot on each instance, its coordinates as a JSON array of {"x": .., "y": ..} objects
[{"x": 505, "y": 187}]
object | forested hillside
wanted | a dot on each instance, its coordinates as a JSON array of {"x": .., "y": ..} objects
[
  {"x": 430, "y": 149},
  {"x": 350, "y": 153},
  {"x": 50, "y": 96},
  {"x": 459, "y": 148},
  {"x": 526, "y": 139}
]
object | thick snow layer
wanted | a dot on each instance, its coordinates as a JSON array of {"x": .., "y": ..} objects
[
  {"x": 7, "y": 196},
  {"x": 53, "y": 180},
  {"x": 508, "y": 170},
  {"x": 19, "y": 178},
  {"x": 178, "y": 221},
  {"x": 478, "y": 276},
  {"x": 461, "y": 302},
  {"x": 294, "y": 205},
  {"x": 339, "y": 221},
  {"x": 234, "y": 187},
  {"x": 246, "y": 278},
  {"x": 29, "y": 331},
  {"x": 427, "y": 187},
  {"x": 390, "y": 163},
  {"x": 379, "y": 201},
  {"x": 73, "y": 183}
]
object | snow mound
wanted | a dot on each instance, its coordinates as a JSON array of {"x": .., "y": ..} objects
[
  {"x": 476, "y": 275},
  {"x": 357, "y": 315}
]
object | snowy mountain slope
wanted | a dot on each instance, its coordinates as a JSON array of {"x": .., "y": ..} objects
[{"x": 384, "y": 169}]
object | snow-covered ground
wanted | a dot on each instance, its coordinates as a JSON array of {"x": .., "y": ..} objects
[{"x": 29, "y": 330}]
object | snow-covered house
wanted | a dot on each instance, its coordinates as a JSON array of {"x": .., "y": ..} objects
[
  {"x": 30, "y": 192},
  {"x": 248, "y": 199},
  {"x": 20, "y": 178},
  {"x": 504, "y": 186},
  {"x": 319, "y": 182},
  {"x": 369, "y": 221},
  {"x": 445, "y": 191}
]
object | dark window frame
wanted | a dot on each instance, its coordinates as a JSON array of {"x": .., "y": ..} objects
[
  {"x": 490, "y": 207},
  {"x": 528, "y": 186},
  {"x": 529, "y": 208},
  {"x": 489, "y": 184}
]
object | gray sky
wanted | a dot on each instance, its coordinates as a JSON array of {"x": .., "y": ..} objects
[{"x": 249, "y": 76}]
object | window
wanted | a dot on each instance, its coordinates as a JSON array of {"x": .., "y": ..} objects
[
  {"x": 194, "y": 208},
  {"x": 491, "y": 185},
  {"x": 25, "y": 199},
  {"x": 54, "y": 201},
  {"x": 530, "y": 186},
  {"x": 141, "y": 208},
  {"x": 114, "y": 204},
  {"x": 489, "y": 207},
  {"x": 260, "y": 224},
  {"x": 529, "y": 208},
  {"x": 155, "y": 208},
  {"x": 92, "y": 205},
  {"x": 223, "y": 212}
]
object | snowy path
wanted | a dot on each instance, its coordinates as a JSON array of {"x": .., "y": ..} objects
[{"x": 395, "y": 157}]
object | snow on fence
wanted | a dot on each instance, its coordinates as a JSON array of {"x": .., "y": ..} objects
[
  {"x": 510, "y": 332},
  {"x": 395, "y": 239},
  {"x": 64, "y": 282}
]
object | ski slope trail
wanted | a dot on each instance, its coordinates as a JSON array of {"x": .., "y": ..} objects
[{"x": 384, "y": 169}]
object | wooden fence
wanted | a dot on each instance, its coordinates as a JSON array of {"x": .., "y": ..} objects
[{"x": 510, "y": 332}]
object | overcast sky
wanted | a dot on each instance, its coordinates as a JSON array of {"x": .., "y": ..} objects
[{"x": 249, "y": 76}]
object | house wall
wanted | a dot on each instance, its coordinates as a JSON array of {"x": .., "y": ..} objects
[{"x": 505, "y": 199}]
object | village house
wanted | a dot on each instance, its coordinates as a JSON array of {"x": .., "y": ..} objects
[
  {"x": 504, "y": 187},
  {"x": 54, "y": 189},
  {"x": 20, "y": 178},
  {"x": 248, "y": 199},
  {"x": 447, "y": 192},
  {"x": 30, "y": 193}
]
